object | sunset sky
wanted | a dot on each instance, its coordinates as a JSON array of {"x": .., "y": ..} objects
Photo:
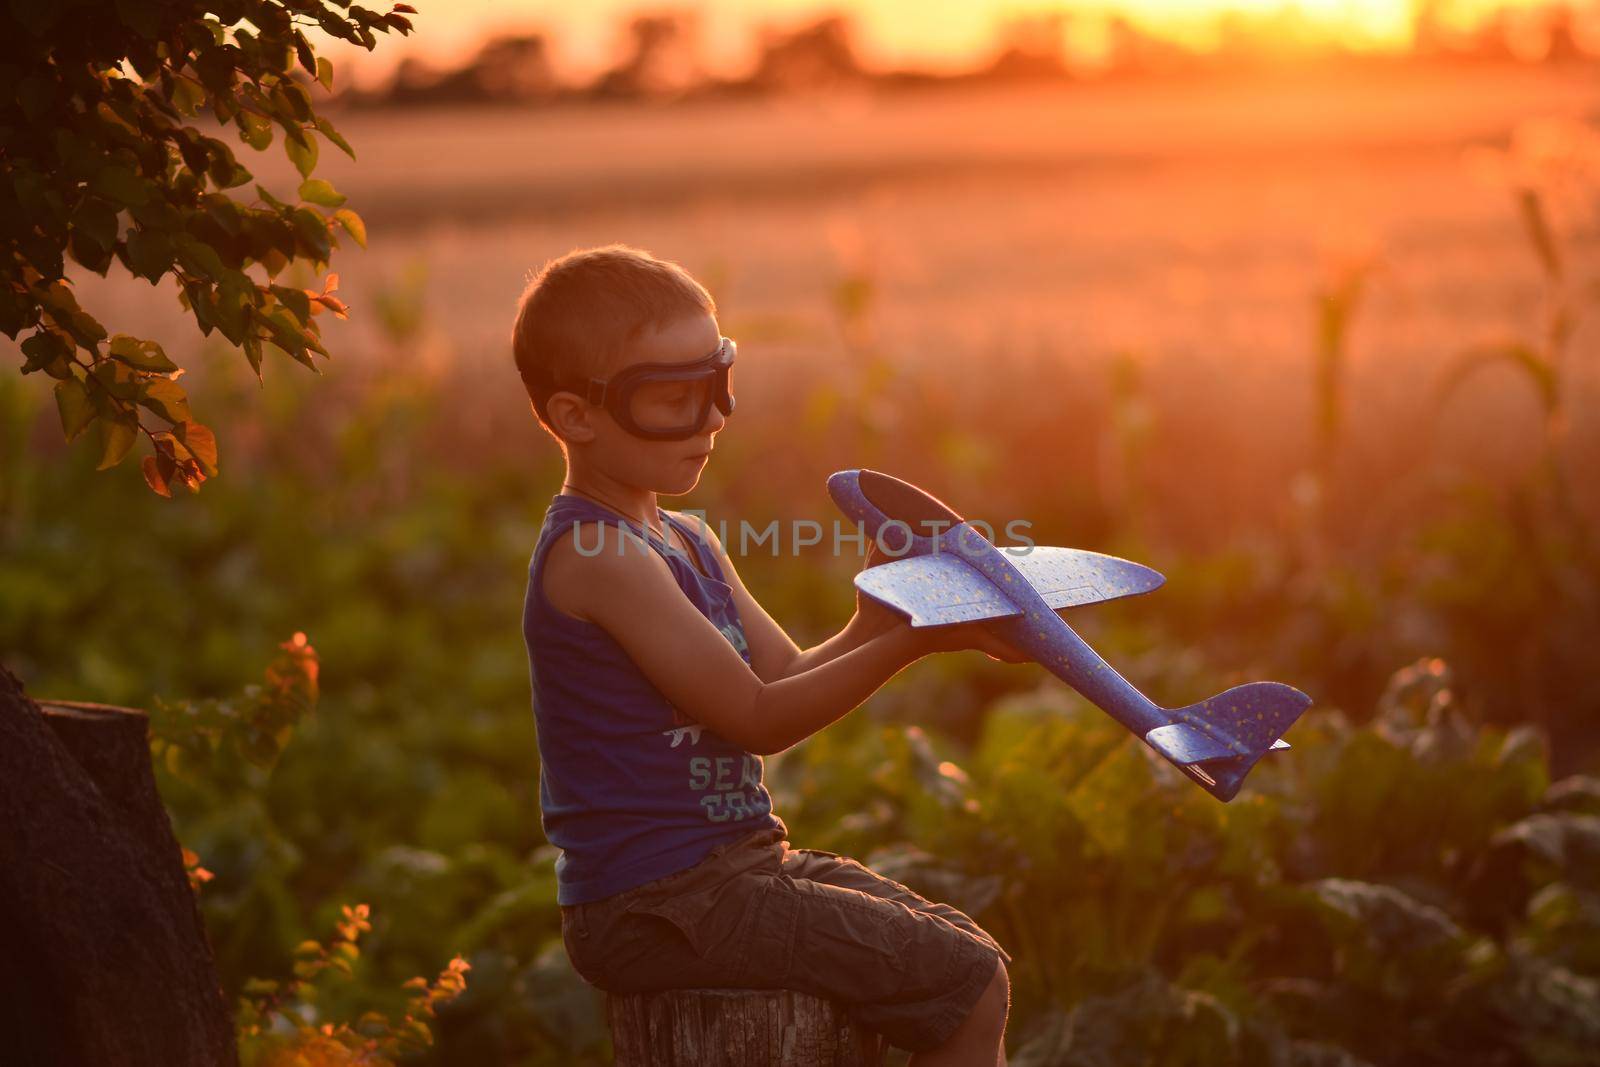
[{"x": 926, "y": 33}]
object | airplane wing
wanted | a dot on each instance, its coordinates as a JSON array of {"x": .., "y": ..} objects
[
  {"x": 938, "y": 589},
  {"x": 1185, "y": 744}
]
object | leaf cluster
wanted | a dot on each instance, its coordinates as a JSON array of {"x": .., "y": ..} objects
[
  {"x": 209, "y": 738},
  {"x": 277, "y": 1020},
  {"x": 1414, "y": 891},
  {"x": 112, "y": 153}
]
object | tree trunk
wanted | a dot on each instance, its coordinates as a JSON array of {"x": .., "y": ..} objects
[
  {"x": 103, "y": 955},
  {"x": 737, "y": 1028}
]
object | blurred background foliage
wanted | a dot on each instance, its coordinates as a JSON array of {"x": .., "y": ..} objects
[{"x": 1415, "y": 881}]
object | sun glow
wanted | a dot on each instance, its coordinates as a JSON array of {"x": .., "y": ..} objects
[{"x": 947, "y": 35}]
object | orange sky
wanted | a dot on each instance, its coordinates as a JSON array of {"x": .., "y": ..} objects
[{"x": 945, "y": 34}]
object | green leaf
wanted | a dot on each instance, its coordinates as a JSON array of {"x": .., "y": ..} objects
[
  {"x": 144, "y": 355},
  {"x": 118, "y": 380},
  {"x": 17, "y": 312},
  {"x": 269, "y": 199},
  {"x": 301, "y": 148},
  {"x": 166, "y": 398},
  {"x": 97, "y": 221},
  {"x": 1569, "y": 841},
  {"x": 122, "y": 184},
  {"x": 119, "y": 121},
  {"x": 274, "y": 261},
  {"x": 352, "y": 224},
  {"x": 334, "y": 136},
  {"x": 294, "y": 341},
  {"x": 84, "y": 327},
  {"x": 295, "y": 300},
  {"x": 325, "y": 72},
  {"x": 255, "y": 130},
  {"x": 286, "y": 332},
  {"x": 1578, "y": 792},
  {"x": 72, "y": 401},
  {"x": 222, "y": 166},
  {"x": 88, "y": 254},
  {"x": 150, "y": 253},
  {"x": 225, "y": 212},
  {"x": 303, "y": 52},
  {"x": 320, "y": 191},
  {"x": 187, "y": 95},
  {"x": 252, "y": 352},
  {"x": 229, "y": 308},
  {"x": 117, "y": 436},
  {"x": 312, "y": 231},
  {"x": 198, "y": 257},
  {"x": 240, "y": 175},
  {"x": 295, "y": 98},
  {"x": 49, "y": 352}
]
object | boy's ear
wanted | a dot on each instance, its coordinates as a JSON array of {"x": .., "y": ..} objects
[{"x": 569, "y": 417}]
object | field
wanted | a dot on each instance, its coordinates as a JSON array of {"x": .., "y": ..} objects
[{"x": 1224, "y": 329}]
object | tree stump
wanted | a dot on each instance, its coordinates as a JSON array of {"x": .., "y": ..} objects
[
  {"x": 103, "y": 955},
  {"x": 737, "y": 1028}
]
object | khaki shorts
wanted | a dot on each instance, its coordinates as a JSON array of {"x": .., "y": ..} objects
[{"x": 756, "y": 914}]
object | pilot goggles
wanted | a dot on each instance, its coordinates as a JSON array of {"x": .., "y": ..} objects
[{"x": 666, "y": 401}]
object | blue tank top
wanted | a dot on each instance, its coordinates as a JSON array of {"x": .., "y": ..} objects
[{"x": 630, "y": 788}]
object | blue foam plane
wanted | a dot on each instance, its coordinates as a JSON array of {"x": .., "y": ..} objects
[{"x": 948, "y": 572}]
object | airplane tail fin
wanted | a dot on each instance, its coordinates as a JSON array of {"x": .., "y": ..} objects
[{"x": 1217, "y": 741}]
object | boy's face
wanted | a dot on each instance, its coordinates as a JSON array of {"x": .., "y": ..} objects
[{"x": 666, "y": 467}]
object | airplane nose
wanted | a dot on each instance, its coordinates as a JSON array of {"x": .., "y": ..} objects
[{"x": 842, "y": 487}]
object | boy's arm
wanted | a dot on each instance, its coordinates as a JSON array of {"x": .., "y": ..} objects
[
  {"x": 632, "y": 595},
  {"x": 773, "y": 653}
]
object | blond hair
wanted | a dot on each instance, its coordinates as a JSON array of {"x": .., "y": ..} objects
[{"x": 581, "y": 311}]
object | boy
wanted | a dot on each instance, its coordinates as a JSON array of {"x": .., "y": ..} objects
[{"x": 659, "y": 683}]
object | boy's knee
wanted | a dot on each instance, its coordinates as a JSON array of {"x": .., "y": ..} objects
[{"x": 996, "y": 999}]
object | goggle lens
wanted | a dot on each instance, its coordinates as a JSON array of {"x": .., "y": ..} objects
[
  {"x": 667, "y": 401},
  {"x": 674, "y": 402},
  {"x": 665, "y": 407}
]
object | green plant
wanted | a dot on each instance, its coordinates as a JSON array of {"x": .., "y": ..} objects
[
  {"x": 1547, "y": 158},
  {"x": 279, "y": 1025},
  {"x": 209, "y": 737},
  {"x": 224, "y": 748},
  {"x": 104, "y": 160},
  {"x": 1414, "y": 891}
]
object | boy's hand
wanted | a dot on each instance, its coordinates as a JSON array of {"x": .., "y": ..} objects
[
  {"x": 873, "y": 618},
  {"x": 974, "y": 635}
]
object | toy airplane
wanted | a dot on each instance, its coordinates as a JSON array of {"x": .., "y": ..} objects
[{"x": 949, "y": 573}]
